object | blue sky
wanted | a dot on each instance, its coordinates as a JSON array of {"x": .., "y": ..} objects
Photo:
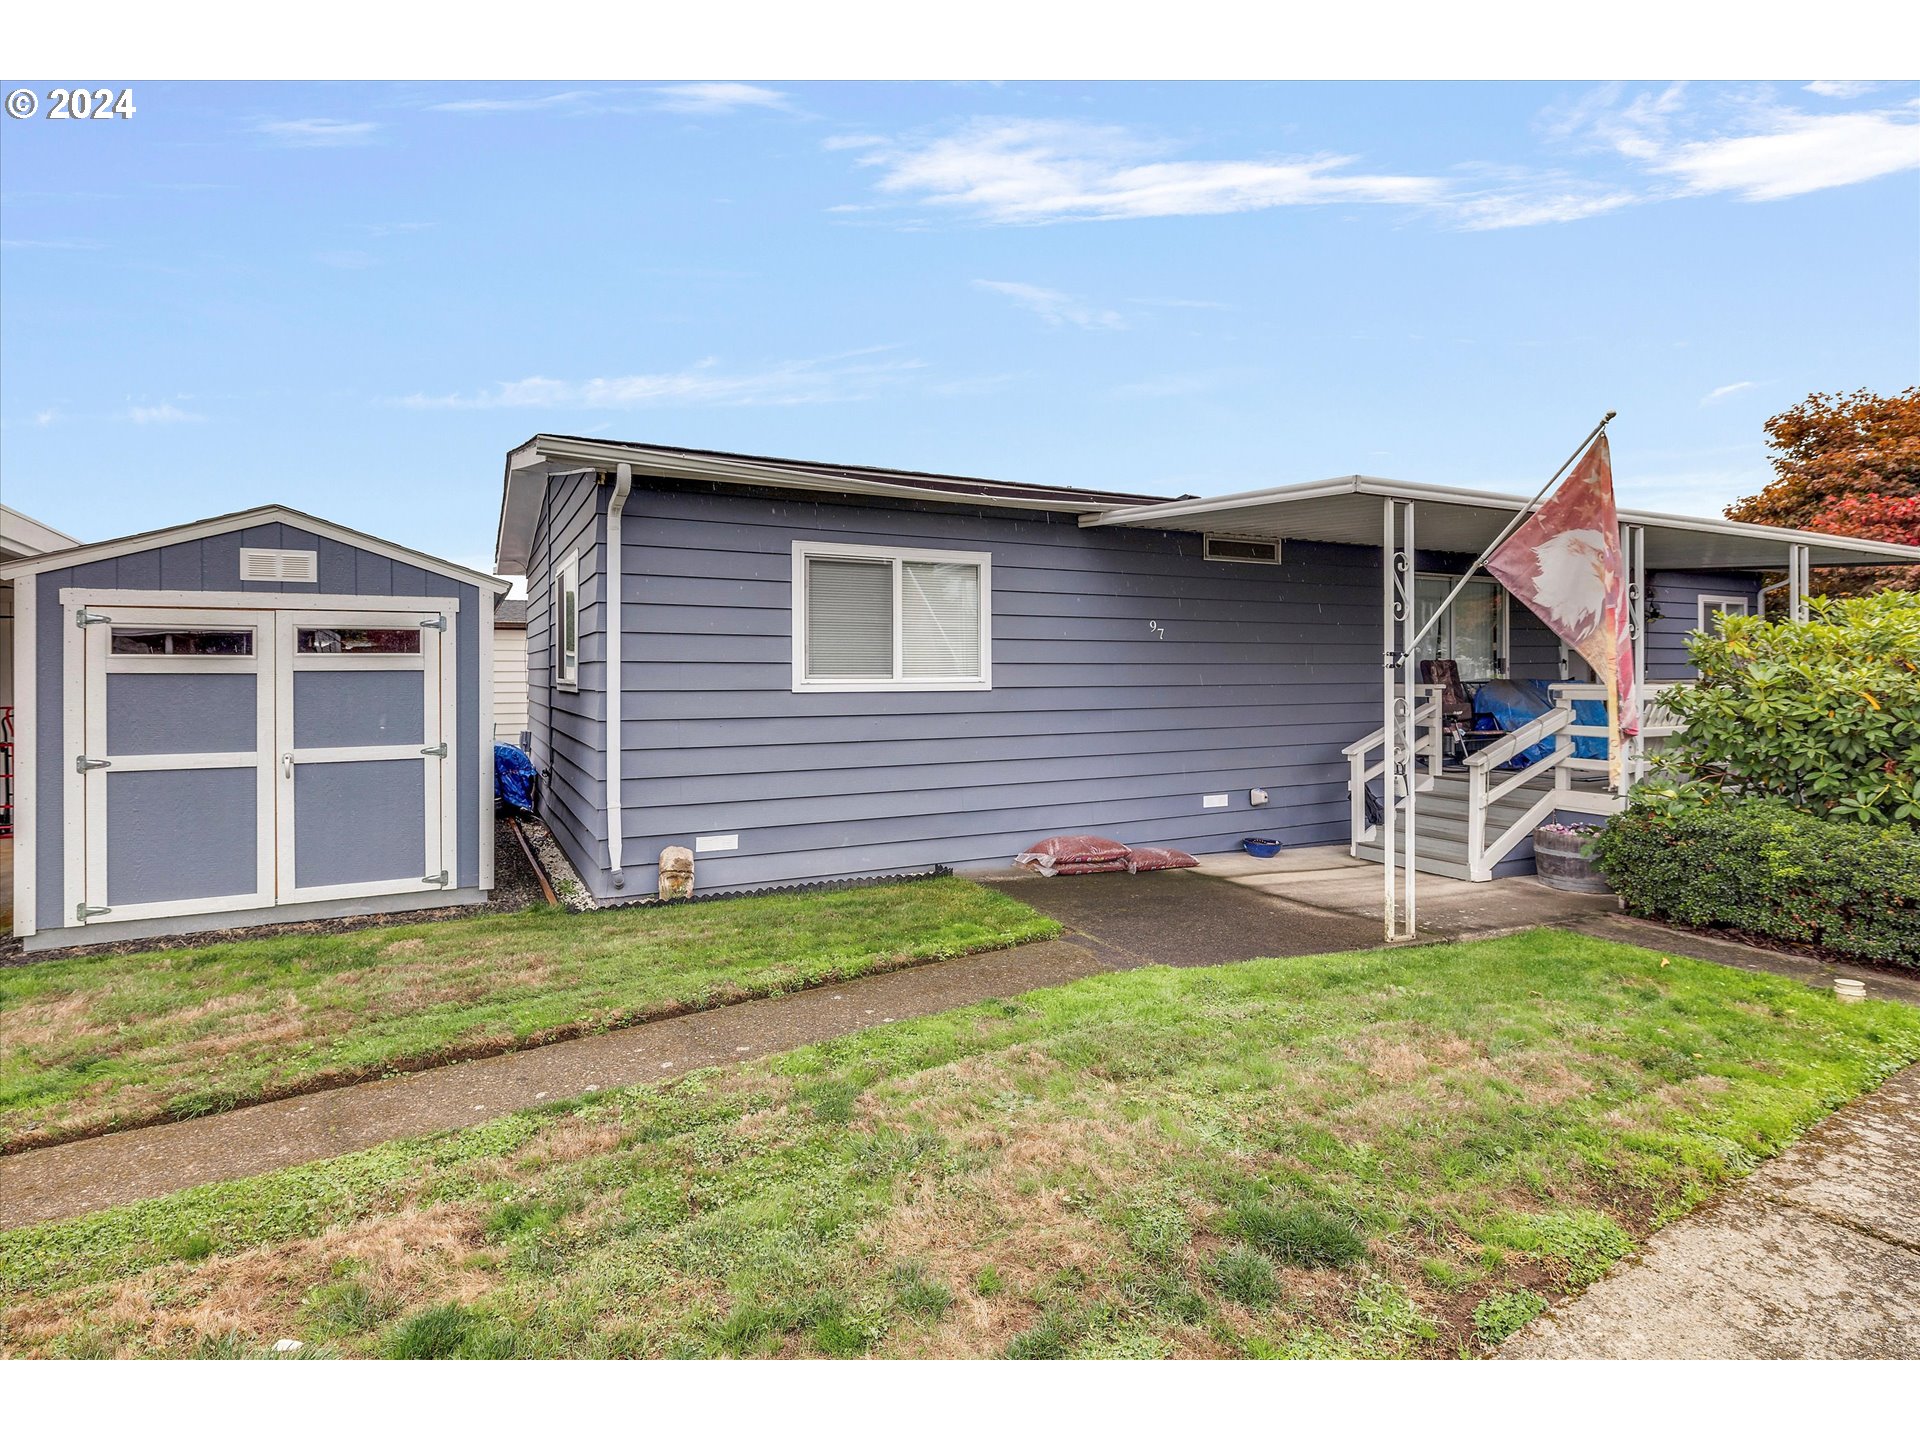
[{"x": 355, "y": 298}]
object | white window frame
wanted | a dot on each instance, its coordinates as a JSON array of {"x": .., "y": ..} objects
[
  {"x": 566, "y": 581},
  {"x": 804, "y": 550},
  {"x": 1707, "y": 605}
]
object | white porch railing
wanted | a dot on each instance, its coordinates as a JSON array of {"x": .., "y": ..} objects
[
  {"x": 1362, "y": 767},
  {"x": 1561, "y": 765}
]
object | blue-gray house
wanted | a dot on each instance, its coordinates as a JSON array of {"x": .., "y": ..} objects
[
  {"x": 807, "y": 671},
  {"x": 260, "y": 717}
]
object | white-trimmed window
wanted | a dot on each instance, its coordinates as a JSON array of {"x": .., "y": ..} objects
[
  {"x": 870, "y": 617},
  {"x": 566, "y": 627},
  {"x": 1712, "y": 606}
]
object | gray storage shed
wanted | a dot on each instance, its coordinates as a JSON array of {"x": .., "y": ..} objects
[{"x": 254, "y": 718}]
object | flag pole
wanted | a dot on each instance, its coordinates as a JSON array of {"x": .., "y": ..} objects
[{"x": 1514, "y": 524}]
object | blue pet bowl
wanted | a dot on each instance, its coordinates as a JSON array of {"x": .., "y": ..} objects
[{"x": 1261, "y": 849}]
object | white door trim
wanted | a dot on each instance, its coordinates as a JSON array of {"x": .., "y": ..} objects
[
  {"x": 439, "y": 792},
  {"x": 259, "y": 600},
  {"x": 91, "y": 662}
]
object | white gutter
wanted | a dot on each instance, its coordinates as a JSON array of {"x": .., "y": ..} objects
[
  {"x": 616, "y": 616},
  {"x": 1205, "y": 508}
]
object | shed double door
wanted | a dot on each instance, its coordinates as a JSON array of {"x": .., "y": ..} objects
[{"x": 236, "y": 759}]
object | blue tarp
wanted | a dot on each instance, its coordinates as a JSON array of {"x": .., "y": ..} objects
[
  {"x": 514, "y": 777},
  {"x": 1514, "y": 702}
]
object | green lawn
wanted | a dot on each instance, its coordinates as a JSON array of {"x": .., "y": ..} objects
[
  {"x": 1403, "y": 1152},
  {"x": 93, "y": 1043}
]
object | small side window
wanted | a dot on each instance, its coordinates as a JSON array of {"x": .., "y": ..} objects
[
  {"x": 566, "y": 642},
  {"x": 1713, "y": 607}
]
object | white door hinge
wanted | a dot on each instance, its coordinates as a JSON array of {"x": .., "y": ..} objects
[
  {"x": 84, "y": 617},
  {"x": 82, "y": 764},
  {"x": 440, "y": 749},
  {"x": 84, "y": 912}
]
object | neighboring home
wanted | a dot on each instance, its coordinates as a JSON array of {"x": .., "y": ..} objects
[
  {"x": 264, "y": 716},
  {"x": 818, "y": 671},
  {"x": 509, "y": 670},
  {"x": 21, "y": 536}
]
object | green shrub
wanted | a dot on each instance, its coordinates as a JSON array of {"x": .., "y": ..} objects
[
  {"x": 1822, "y": 712},
  {"x": 1763, "y": 867}
]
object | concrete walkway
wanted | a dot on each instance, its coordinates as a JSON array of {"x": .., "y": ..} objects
[
  {"x": 1117, "y": 922},
  {"x": 1816, "y": 1255},
  {"x": 86, "y": 1175}
]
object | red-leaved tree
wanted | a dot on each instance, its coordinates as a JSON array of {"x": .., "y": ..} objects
[{"x": 1846, "y": 465}]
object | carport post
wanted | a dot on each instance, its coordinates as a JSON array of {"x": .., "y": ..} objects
[
  {"x": 1633, "y": 550},
  {"x": 1398, "y": 669}
]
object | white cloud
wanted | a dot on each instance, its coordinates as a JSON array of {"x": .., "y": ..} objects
[
  {"x": 1742, "y": 142},
  {"x": 1012, "y": 171},
  {"x": 1721, "y": 392},
  {"x": 835, "y": 378},
  {"x": 484, "y": 105},
  {"x": 1167, "y": 387},
  {"x": 1175, "y": 303},
  {"x": 1796, "y": 154},
  {"x": 1506, "y": 211},
  {"x": 314, "y": 133},
  {"x": 1044, "y": 171},
  {"x": 1841, "y": 89},
  {"x": 164, "y": 413},
  {"x": 717, "y": 98},
  {"x": 1055, "y": 307},
  {"x": 10, "y": 244}
]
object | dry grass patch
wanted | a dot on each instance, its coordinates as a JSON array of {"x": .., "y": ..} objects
[
  {"x": 1340, "y": 1155},
  {"x": 105, "y": 1041}
]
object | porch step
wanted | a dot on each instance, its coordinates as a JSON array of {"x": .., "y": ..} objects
[{"x": 1441, "y": 820}]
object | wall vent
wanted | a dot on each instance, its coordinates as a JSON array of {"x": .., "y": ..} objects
[
  {"x": 1245, "y": 549},
  {"x": 288, "y": 567}
]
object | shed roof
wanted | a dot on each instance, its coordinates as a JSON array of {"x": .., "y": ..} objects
[{"x": 240, "y": 520}]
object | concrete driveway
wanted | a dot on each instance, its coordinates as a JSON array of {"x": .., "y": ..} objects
[{"x": 1310, "y": 901}]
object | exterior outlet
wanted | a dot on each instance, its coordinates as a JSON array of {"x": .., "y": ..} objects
[{"x": 1256, "y": 797}]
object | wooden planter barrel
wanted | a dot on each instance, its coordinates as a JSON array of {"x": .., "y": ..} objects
[{"x": 1558, "y": 861}]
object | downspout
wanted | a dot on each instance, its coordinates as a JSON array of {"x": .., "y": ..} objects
[{"x": 616, "y": 618}]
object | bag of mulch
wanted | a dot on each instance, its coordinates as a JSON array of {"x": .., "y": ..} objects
[
  {"x": 1158, "y": 857},
  {"x": 1087, "y": 867},
  {"x": 1052, "y": 855}
]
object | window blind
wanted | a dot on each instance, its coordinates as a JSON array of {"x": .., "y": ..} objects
[
  {"x": 939, "y": 620},
  {"x": 849, "y": 618}
]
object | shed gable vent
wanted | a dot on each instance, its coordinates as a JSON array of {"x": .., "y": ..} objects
[
  {"x": 1247, "y": 549},
  {"x": 289, "y": 567}
]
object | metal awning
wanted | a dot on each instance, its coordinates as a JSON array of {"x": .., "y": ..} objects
[{"x": 1346, "y": 511}]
